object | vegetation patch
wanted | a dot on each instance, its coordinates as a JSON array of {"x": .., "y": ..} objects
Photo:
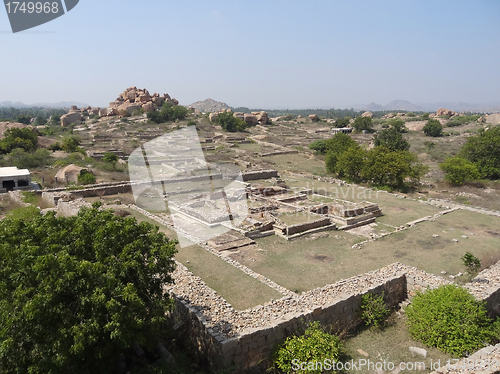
[{"x": 450, "y": 319}]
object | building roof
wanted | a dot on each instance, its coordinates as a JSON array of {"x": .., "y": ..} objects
[{"x": 13, "y": 172}]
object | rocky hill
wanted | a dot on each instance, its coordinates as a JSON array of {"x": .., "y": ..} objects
[{"x": 210, "y": 105}]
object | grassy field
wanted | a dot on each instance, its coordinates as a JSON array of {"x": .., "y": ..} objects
[
  {"x": 392, "y": 345},
  {"x": 417, "y": 247},
  {"x": 306, "y": 263},
  {"x": 238, "y": 288},
  {"x": 297, "y": 162},
  {"x": 397, "y": 211}
]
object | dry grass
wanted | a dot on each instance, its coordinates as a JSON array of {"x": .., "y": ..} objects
[
  {"x": 239, "y": 289},
  {"x": 488, "y": 259},
  {"x": 392, "y": 345}
]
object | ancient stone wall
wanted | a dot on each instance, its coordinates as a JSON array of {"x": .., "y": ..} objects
[
  {"x": 243, "y": 340},
  {"x": 301, "y": 227},
  {"x": 486, "y": 286},
  {"x": 259, "y": 174}
]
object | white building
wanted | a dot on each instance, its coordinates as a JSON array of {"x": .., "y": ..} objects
[{"x": 12, "y": 178}]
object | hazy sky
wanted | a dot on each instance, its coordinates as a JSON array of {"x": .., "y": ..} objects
[{"x": 267, "y": 54}]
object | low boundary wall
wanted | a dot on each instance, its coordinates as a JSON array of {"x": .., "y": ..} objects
[{"x": 242, "y": 341}]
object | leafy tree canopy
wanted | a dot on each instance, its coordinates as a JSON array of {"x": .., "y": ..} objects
[
  {"x": 384, "y": 167},
  {"x": 24, "y": 138},
  {"x": 342, "y": 122},
  {"x": 70, "y": 144},
  {"x": 362, "y": 123},
  {"x": 433, "y": 128},
  {"x": 86, "y": 177},
  {"x": 398, "y": 124},
  {"x": 316, "y": 345},
  {"x": 458, "y": 170},
  {"x": 335, "y": 146},
  {"x": 391, "y": 138},
  {"x": 450, "y": 319},
  {"x": 167, "y": 113},
  {"x": 230, "y": 123},
  {"x": 484, "y": 151},
  {"x": 110, "y": 157},
  {"x": 75, "y": 292}
]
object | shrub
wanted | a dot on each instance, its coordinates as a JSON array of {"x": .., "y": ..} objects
[
  {"x": 342, "y": 122},
  {"x": 429, "y": 145},
  {"x": 391, "y": 138},
  {"x": 318, "y": 146},
  {"x": 315, "y": 345},
  {"x": 450, "y": 319},
  {"x": 25, "y": 160},
  {"x": 459, "y": 170},
  {"x": 70, "y": 144},
  {"x": 433, "y": 128},
  {"x": 14, "y": 138},
  {"x": 167, "y": 113},
  {"x": 373, "y": 310},
  {"x": 362, "y": 123},
  {"x": 471, "y": 262},
  {"x": 484, "y": 152},
  {"x": 230, "y": 123},
  {"x": 86, "y": 177}
]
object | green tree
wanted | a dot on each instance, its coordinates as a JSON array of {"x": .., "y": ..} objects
[
  {"x": 23, "y": 119},
  {"x": 335, "y": 146},
  {"x": 24, "y": 160},
  {"x": 373, "y": 310},
  {"x": 398, "y": 124},
  {"x": 433, "y": 128},
  {"x": 230, "y": 123},
  {"x": 342, "y": 122},
  {"x": 384, "y": 167},
  {"x": 471, "y": 262},
  {"x": 110, "y": 158},
  {"x": 458, "y": 170},
  {"x": 315, "y": 345},
  {"x": 362, "y": 123},
  {"x": 318, "y": 146},
  {"x": 76, "y": 292},
  {"x": 450, "y": 319},
  {"x": 484, "y": 151},
  {"x": 24, "y": 138},
  {"x": 391, "y": 138},
  {"x": 350, "y": 163},
  {"x": 86, "y": 177},
  {"x": 167, "y": 113},
  {"x": 70, "y": 144}
]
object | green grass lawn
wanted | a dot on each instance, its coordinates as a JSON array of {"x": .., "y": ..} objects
[
  {"x": 417, "y": 247},
  {"x": 302, "y": 264},
  {"x": 391, "y": 344},
  {"x": 396, "y": 211},
  {"x": 239, "y": 289}
]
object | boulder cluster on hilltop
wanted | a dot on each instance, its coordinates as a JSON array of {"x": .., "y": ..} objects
[
  {"x": 253, "y": 118},
  {"x": 209, "y": 106},
  {"x": 133, "y": 99},
  {"x": 129, "y": 101}
]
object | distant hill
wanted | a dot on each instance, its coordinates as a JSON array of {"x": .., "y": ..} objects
[
  {"x": 393, "y": 105},
  {"x": 432, "y": 107},
  {"x": 62, "y": 104},
  {"x": 210, "y": 105}
]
